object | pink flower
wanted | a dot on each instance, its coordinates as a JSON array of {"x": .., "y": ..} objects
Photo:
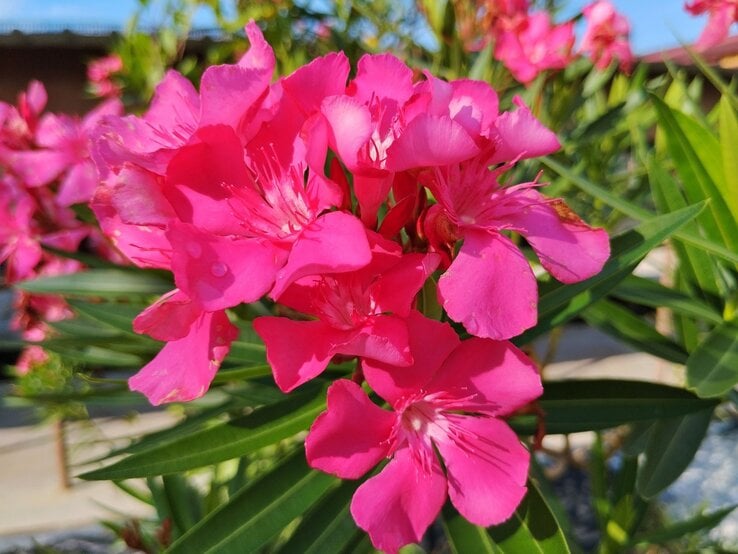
[
  {"x": 606, "y": 36},
  {"x": 722, "y": 14},
  {"x": 361, "y": 313},
  {"x": 99, "y": 73},
  {"x": 450, "y": 401},
  {"x": 535, "y": 47}
]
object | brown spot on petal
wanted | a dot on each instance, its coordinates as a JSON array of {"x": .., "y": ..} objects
[{"x": 565, "y": 213}]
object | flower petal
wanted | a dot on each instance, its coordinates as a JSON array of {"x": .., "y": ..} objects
[
  {"x": 384, "y": 338},
  {"x": 184, "y": 368},
  {"x": 350, "y": 126},
  {"x": 397, "y": 506},
  {"x": 334, "y": 243},
  {"x": 296, "y": 350},
  {"x": 498, "y": 377},
  {"x": 487, "y": 471},
  {"x": 169, "y": 318},
  {"x": 430, "y": 343},
  {"x": 311, "y": 83},
  {"x": 352, "y": 435},
  {"x": 490, "y": 287},
  {"x": 522, "y": 136}
]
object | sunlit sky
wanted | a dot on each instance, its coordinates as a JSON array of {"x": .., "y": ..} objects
[{"x": 656, "y": 24}]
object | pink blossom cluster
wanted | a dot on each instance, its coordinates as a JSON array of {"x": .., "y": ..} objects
[
  {"x": 45, "y": 168},
  {"x": 721, "y": 15},
  {"x": 101, "y": 73},
  {"x": 339, "y": 200},
  {"x": 529, "y": 42}
]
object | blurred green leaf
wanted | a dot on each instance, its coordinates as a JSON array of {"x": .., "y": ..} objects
[
  {"x": 728, "y": 141},
  {"x": 671, "y": 446},
  {"x": 701, "y": 522},
  {"x": 466, "y": 537},
  {"x": 533, "y": 528},
  {"x": 712, "y": 369},
  {"x": 105, "y": 283},
  {"x": 260, "y": 511},
  {"x": 224, "y": 441}
]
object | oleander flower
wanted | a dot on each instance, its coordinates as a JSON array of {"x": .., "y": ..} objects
[
  {"x": 606, "y": 36},
  {"x": 721, "y": 15},
  {"x": 450, "y": 401}
]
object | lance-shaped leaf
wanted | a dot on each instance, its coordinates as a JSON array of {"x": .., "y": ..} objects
[
  {"x": 232, "y": 439},
  {"x": 106, "y": 283},
  {"x": 712, "y": 369}
]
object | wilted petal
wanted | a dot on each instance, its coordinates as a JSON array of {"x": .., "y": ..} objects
[
  {"x": 184, "y": 368},
  {"x": 490, "y": 287},
  {"x": 397, "y": 506},
  {"x": 486, "y": 471},
  {"x": 352, "y": 435}
]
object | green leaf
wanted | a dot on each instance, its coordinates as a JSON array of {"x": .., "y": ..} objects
[
  {"x": 701, "y": 522},
  {"x": 533, "y": 528},
  {"x": 466, "y": 537},
  {"x": 260, "y": 511},
  {"x": 566, "y": 301},
  {"x": 115, "y": 315},
  {"x": 646, "y": 292},
  {"x": 671, "y": 446},
  {"x": 728, "y": 140},
  {"x": 107, "y": 283},
  {"x": 712, "y": 369},
  {"x": 622, "y": 324},
  {"x": 591, "y": 405},
  {"x": 696, "y": 154},
  {"x": 634, "y": 211},
  {"x": 328, "y": 526},
  {"x": 232, "y": 439}
]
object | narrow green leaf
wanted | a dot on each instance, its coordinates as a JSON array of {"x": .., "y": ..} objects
[
  {"x": 621, "y": 323},
  {"x": 466, "y": 537},
  {"x": 646, "y": 292},
  {"x": 232, "y": 439},
  {"x": 712, "y": 369},
  {"x": 634, "y": 211},
  {"x": 183, "y": 500},
  {"x": 115, "y": 315},
  {"x": 533, "y": 528},
  {"x": 591, "y": 405},
  {"x": 260, "y": 511},
  {"x": 671, "y": 446},
  {"x": 101, "y": 282},
  {"x": 696, "y": 154},
  {"x": 328, "y": 526},
  {"x": 701, "y": 522},
  {"x": 728, "y": 141},
  {"x": 566, "y": 301}
]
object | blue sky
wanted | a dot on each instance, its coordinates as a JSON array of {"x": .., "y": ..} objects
[{"x": 656, "y": 24}]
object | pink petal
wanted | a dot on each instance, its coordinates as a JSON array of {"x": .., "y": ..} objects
[
  {"x": 297, "y": 350},
  {"x": 40, "y": 167},
  {"x": 220, "y": 272},
  {"x": 371, "y": 191},
  {"x": 137, "y": 197},
  {"x": 169, "y": 318},
  {"x": 111, "y": 107},
  {"x": 522, "y": 136},
  {"x": 498, "y": 377},
  {"x": 57, "y": 131},
  {"x": 198, "y": 176},
  {"x": 718, "y": 25},
  {"x": 350, "y": 126},
  {"x": 228, "y": 92},
  {"x": 352, "y": 435},
  {"x": 311, "y": 83},
  {"x": 490, "y": 287},
  {"x": 334, "y": 243},
  {"x": 430, "y": 141},
  {"x": 568, "y": 248},
  {"x": 398, "y": 505},
  {"x": 175, "y": 108},
  {"x": 383, "y": 76},
  {"x": 430, "y": 343},
  {"x": 184, "y": 368},
  {"x": 384, "y": 338},
  {"x": 78, "y": 185},
  {"x": 395, "y": 289},
  {"x": 260, "y": 56},
  {"x": 474, "y": 104},
  {"x": 486, "y": 471}
]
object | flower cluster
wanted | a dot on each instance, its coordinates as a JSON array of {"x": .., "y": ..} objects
[
  {"x": 721, "y": 15},
  {"x": 45, "y": 168},
  {"x": 529, "y": 42},
  {"x": 338, "y": 199}
]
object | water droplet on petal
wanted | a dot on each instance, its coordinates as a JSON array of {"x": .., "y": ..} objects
[{"x": 218, "y": 269}]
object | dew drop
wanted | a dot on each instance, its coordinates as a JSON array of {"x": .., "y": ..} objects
[{"x": 218, "y": 269}]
